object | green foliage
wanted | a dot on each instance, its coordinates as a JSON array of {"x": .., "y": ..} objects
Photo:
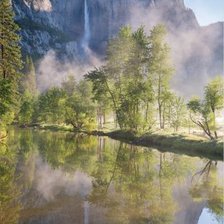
[
  {"x": 80, "y": 110},
  {"x": 203, "y": 113},
  {"x": 29, "y": 92},
  {"x": 214, "y": 93},
  {"x": 8, "y": 103},
  {"x": 175, "y": 111},
  {"x": 52, "y": 105},
  {"x": 25, "y": 116},
  {"x": 124, "y": 80},
  {"x": 10, "y": 63},
  {"x": 160, "y": 68},
  {"x": 10, "y": 53}
]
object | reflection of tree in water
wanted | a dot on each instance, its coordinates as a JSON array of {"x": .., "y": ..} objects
[
  {"x": 9, "y": 193},
  {"x": 206, "y": 187},
  {"x": 132, "y": 187},
  {"x": 130, "y": 184}
]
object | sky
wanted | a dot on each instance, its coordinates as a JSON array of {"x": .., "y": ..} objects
[{"x": 207, "y": 11}]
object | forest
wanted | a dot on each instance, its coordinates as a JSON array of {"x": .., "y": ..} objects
[{"x": 130, "y": 92}]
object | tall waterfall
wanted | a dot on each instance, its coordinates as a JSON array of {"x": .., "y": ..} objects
[{"x": 86, "y": 36}]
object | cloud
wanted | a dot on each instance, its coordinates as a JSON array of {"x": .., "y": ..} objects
[{"x": 51, "y": 182}]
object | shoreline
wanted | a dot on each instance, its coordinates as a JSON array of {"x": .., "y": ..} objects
[{"x": 175, "y": 143}]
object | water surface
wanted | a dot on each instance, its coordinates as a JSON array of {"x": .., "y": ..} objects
[{"x": 52, "y": 177}]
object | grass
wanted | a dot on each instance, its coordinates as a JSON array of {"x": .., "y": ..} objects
[{"x": 189, "y": 145}]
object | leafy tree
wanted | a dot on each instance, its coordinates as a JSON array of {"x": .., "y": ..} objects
[
  {"x": 176, "y": 111},
  {"x": 160, "y": 67},
  {"x": 52, "y": 105},
  {"x": 203, "y": 112},
  {"x": 214, "y": 96},
  {"x": 28, "y": 89},
  {"x": 25, "y": 116},
  {"x": 200, "y": 115},
  {"x": 122, "y": 79},
  {"x": 80, "y": 110}
]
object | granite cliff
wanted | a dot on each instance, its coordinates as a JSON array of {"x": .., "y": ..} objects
[{"x": 65, "y": 26}]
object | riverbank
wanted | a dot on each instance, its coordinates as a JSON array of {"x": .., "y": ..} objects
[
  {"x": 179, "y": 144},
  {"x": 176, "y": 143}
]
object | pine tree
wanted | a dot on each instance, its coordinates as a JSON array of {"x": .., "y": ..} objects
[
  {"x": 10, "y": 59},
  {"x": 10, "y": 54}
]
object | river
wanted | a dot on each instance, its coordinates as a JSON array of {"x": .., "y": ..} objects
[{"x": 61, "y": 178}]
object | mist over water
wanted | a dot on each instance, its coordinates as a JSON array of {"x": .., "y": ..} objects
[{"x": 78, "y": 180}]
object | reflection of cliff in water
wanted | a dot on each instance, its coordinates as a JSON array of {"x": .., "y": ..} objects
[{"x": 189, "y": 211}]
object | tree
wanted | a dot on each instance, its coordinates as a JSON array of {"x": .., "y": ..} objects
[
  {"x": 200, "y": 115},
  {"x": 80, "y": 110},
  {"x": 176, "y": 110},
  {"x": 123, "y": 78},
  {"x": 10, "y": 54},
  {"x": 214, "y": 96},
  {"x": 10, "y": 60},
  {"x": 203, "y": 111},
  {"x": 29, "y": 92},
  {"x": 52, "y": 105},
  {"x": 25, "y": 116},
  {"x": 160, "y": 67}
]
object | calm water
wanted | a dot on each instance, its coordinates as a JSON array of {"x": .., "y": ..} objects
[{"x": 60, "y": 178}]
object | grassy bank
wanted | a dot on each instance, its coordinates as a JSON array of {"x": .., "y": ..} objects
[{"x": 180, "y": 144}]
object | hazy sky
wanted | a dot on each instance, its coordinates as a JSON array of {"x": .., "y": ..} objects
[{"x": 207, "y": 11}]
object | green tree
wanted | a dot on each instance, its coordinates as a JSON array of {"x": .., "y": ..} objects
[
  {"x": 80, "y": 109},
  {"x": 10, "y": 54},
  {"x": 214, "y": 96},
  {"x": 51, "y": 105},
  {"x": 203, "y": 111},
  {"x": 25, "y": 116},
  {"x": 160, "y": 67},
  {"x": 10, "y": 61},
  {"x": 200, "y": 115},
  {"x": 122, "y": 79},
  {"x": 28, "y": 89},
  {"x": 176, "y": 111}
]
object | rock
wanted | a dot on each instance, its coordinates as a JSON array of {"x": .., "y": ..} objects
[{"x": 59, "y": 25}]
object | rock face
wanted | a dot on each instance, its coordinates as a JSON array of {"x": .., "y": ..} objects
[
  {"x": 60, "y": 25},
  {"x": 48, "y": 24}
]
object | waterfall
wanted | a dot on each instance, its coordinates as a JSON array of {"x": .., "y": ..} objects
[{"x": 86, "y": 36}]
